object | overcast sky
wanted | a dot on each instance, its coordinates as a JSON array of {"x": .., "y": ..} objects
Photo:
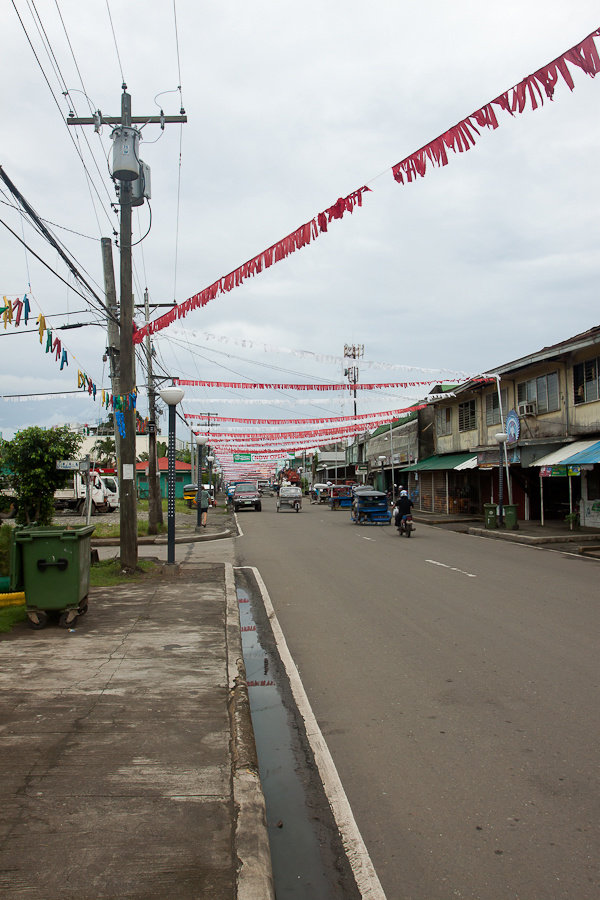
[{"x": 290, "y": 106}]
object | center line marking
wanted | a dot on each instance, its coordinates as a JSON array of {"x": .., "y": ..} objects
[{"x": 434, "y": 562}]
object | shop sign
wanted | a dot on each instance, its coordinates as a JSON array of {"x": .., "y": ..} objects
[
  {"x": 512, "y": 426},
  {"x": 559, "y": 471}
]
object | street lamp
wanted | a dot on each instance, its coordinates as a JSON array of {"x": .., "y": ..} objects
[
  {"x": 210, "y": 460},
  {"x": 502, "y": 438},
  {"x": 171, "y": 396},
  {"x": 382, "y": 460},
  {"x": 201, "y": 440}
]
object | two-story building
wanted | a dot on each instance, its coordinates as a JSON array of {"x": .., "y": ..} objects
[{"x": 548, "y": 406}]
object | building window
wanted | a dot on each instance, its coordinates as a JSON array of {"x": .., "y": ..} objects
[
  {"x": 543, "y": 391},
  {"x": 443, "y": 420},
  {"x": 492, "y": 407},
  {"x": 466, "y": 416},
  {"x": 586, "y": 385}
]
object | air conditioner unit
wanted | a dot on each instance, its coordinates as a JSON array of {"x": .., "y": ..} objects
[{"x": 527, "y": 409}]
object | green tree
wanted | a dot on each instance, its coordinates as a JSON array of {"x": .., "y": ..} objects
[
  {"x": 104, "y": 451},
  {"x": 161, "y": 449},
  {"x": 31, "y": 460}
]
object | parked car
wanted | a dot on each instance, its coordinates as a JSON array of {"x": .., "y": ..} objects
[{"x": 246, "y": 496}]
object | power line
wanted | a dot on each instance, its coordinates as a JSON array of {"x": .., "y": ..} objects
[
  {"x": 77, "y": 150},
  {"x": 115, "y": 40},
  {"x": 49, "y": 267}
]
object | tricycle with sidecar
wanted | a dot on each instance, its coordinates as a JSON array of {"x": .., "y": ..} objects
[{"x": 370, "y": 507}]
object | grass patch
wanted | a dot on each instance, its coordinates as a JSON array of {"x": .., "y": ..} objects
[
  {"x": 181, "y": 505},
  {"x": 108, "y": 572},
  {"x": 104, "y": 530},
  {"x": 11, "y": 615}
]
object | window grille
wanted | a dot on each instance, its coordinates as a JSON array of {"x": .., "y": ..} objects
[{"x": 467, "y": 420}]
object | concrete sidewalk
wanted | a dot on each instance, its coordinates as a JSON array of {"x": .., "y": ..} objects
[
  {"x": 528, "y": 532},
  {"x": 127, "y": 751}
]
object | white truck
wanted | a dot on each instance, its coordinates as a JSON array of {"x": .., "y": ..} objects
[{"x": 105, "y": 494}]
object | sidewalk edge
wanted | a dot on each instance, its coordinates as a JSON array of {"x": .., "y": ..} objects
[{"x": 251, "y": 840}]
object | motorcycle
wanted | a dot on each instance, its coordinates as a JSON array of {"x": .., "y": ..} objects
[{"x": 405, "y": 525}]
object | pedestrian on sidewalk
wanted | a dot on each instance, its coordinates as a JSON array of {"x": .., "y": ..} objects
[{"x": 204, "y": 502}]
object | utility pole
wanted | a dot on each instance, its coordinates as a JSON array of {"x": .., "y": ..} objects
[
  {"x": 155, "y": 513},
  {"x": 112, "y": 348},
  {"x": 354, "y": 351},
  {"x": 131, "y": 175}
]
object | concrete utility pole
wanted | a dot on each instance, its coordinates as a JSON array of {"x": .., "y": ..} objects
[
  {"x": 130, "y": 171},
  {"x": 353, "y": 351},
  {"x": 155, "y": 513}
]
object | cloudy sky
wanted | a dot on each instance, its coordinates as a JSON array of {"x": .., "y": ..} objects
[{"x": 290, "y": 106}]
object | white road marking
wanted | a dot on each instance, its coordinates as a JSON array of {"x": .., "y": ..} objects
[
  {"x": 367, "y": 538},
  {"x": 358, "y": 856},
  {"x": 434, "y": 562}
]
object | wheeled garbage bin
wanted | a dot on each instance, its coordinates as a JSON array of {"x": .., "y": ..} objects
[
  {"x": 55, "y": 568},
  {"x": 491, "y": 515},
  {"x": 510, "y": 516}
]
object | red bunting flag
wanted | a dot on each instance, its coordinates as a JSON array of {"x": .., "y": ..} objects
[{"x": 458, "y": 138}]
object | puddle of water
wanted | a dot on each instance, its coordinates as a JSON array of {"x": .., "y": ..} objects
[{"x": 297, "y": 863}]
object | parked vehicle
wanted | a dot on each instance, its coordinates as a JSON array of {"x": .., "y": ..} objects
[
  {"x": 405, "y": 526},
  {"x": 290, "y": 497},
  {"x": 370, "y": 507},
  {"x": 105, "y": 494},
  {"x": 190, "y": 491},
  {"x": 246, "y": 496}
]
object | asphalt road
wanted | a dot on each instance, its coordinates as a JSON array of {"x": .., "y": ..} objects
[{"x": 455, "y": 680}]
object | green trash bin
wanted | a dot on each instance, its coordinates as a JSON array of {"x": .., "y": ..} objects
[
  {"x": 510, "y": 516},
  {"x": 55, "y": 571},
  {"x": 491, "y": 515}
]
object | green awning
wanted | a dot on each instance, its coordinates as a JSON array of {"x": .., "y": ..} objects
[{"x": 449, "y": 461}]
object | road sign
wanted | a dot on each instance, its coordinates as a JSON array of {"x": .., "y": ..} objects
[
  {"x": 242, "y": 457},
  {"x": 68, "y": 465}
]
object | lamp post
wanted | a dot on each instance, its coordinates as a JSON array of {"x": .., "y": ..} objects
[
  {"x": 382, "y": 460},
  {"x": 171, "y": 396},
  {"x": 502, "y": 438},
  {"x": 200, "y": 441},
  {"x": 210, "y": 460}
]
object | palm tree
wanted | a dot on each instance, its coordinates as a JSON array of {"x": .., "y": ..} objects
[{"x": 104, "y": 451}]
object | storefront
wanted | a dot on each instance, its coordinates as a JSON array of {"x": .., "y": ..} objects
[
  {"x": 443, "y": 484},
  {"x": 570, "y": 484}
]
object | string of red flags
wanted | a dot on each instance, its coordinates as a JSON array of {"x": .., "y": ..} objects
[
  {"x": 297, "y": 239},
  {"x": 251, "y": 385},
  {"x": 459, "y": 138},
  {"x": 391, "y": 415},
  {"x": 531, "y": 90}
]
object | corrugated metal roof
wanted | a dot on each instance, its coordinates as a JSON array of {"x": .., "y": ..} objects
[
  {"x": 558, "y": 457},
  {"x": 449, "y": 461},
  {"x": 584, "y": 457}
]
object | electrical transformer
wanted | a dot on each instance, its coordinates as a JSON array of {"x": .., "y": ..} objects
[
  {"x": 140, "y": 188},
  {"x": 126, "y": 161}
]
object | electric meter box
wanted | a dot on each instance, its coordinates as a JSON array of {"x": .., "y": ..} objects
[
  {"x": 141, "y": 187},
  {"x": 126, "y": 160}
]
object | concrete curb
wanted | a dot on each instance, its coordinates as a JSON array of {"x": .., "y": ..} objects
[
  {"x": 517, "y": 538},
  {"x": 254, "y": 873},
  {"x": 161, "y": 540}
]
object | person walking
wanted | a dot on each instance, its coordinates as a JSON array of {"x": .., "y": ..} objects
[{"x": 204, "y": 502}]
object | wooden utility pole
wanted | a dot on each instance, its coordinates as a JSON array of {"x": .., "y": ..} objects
[{"x": 127, "y": 482}]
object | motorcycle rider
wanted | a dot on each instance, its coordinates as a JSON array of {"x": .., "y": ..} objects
[{"x": 403, "y": 507}]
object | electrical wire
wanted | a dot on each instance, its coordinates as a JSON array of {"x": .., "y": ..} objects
[
  {"x": 115, "y": 40},
  {"x": 71, "y": 137}
]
